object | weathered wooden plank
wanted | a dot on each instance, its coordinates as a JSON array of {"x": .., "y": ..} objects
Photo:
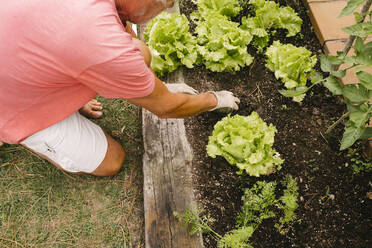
[
  {"x": 167, "y": 179},
  {"x": 167, "y": 182}
]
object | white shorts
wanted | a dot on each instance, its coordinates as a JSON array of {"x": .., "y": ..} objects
[{"x": 76, "y": 144}]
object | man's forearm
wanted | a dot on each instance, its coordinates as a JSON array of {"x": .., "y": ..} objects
[
  {"x": 165, "y": 104},
  {"x": 189, "y": 105}
]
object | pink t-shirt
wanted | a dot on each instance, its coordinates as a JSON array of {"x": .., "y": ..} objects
[{"x": 56, "y": 55}]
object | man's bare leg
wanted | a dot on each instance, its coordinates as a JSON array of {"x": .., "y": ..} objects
[
  {"x": 113, "y": 160},
  {"x": 92, "y": 109}
]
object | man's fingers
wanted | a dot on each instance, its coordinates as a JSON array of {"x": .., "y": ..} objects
[
  {"x": 181, "y": 88},
  {"x": 95, "y": 105},
  {"x": 191, "y": 90},
  {"x": 226, "y": 101},
  {"x": 235, "y": 106}
]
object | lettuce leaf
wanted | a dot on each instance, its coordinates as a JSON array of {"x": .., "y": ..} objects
[
  {"x": 170, "y": 43},
  {"x": 288, "y": 19},
  {"x": 228, "y": 8},
  {"x": 246, "y": 142},
  {"x": 293, "y": 65}
]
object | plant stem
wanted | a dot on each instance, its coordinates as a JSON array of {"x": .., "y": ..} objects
[
  {"x": 217, "y": 235},
  {"x": 204, "y": 225},
  {"x": 320, "y": 81},
  {"x": 352, "y": 66},
  {"x": 337, "y": 122},
  {"x": 367, "y": 4}
]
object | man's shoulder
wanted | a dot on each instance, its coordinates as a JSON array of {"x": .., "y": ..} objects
[
  {"x": 85, "y": 14},
  {"x": 92, "y": 33}
]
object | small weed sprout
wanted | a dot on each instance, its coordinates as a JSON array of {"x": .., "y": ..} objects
[
  {"x": 321, "y": 199},
  {"x": 359, "y": 164},
  {"x": 284, "y": 107}
]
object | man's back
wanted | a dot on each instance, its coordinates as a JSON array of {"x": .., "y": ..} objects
[{"x": 45, "y": 45}]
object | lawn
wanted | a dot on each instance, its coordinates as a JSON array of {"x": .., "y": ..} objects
[{"x": 41, "y": 206}]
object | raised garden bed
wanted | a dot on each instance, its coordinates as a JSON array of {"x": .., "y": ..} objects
[{"x": 333, "y": 208}]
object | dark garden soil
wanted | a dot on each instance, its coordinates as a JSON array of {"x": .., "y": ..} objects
[{"x": 338, "y": 218}]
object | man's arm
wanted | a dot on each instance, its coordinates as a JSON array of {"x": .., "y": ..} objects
[
  {"x": 129, "y": 30},
  {"x": 165, "y": 104},
  {"x": 130, "y": 75}
]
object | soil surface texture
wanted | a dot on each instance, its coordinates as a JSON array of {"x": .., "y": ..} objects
[{"x": 333, "y": 208}]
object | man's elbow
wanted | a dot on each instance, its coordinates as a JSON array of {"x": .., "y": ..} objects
[
  {"x": 165, "y": 115},
  {"x": 165, "y": 112}
]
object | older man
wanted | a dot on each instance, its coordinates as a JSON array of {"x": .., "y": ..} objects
[{"x": 56, "y": 56}]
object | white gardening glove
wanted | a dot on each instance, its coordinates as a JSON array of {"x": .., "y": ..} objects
[
  {"x": 181, "y": 88},
  {"x": 226, "y": 101}
]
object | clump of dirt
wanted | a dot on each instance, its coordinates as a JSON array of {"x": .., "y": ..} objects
[{"x": 334, "y": 210}]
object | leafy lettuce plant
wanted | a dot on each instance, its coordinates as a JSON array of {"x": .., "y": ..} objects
[
  {"x": 222, "y": 44},
  {"x": 293, "y": 65},
  {"x": 170, "y": 43},
  {"x": 269, "y": 15},
  {"x": 245, "y": 141}
]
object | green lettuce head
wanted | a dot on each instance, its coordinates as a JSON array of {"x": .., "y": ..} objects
[
  {"x": 245, "y": 141},
  {"x": 170, "y": 43},
  {"x": 293, "y": 65},
  {"x": 222, "y": 44}
]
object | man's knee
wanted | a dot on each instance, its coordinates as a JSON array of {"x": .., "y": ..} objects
[
  {"x": 145, "y": 51},
  {"x": 113, "y": 160},
  {"x": 119, "y": 161}
]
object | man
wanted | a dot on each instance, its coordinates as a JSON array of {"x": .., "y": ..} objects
[{"x": 56, "y": 56}]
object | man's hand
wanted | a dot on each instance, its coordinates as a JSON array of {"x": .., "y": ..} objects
[
  {"x": 226, "y": 101},
  {"x": 181, "y": 88}
]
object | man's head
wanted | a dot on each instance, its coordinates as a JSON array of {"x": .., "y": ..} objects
[{"x": 140, "y": 11}]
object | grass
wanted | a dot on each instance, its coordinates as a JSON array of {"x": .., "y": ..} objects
[{"x": 41, "y": 206}]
